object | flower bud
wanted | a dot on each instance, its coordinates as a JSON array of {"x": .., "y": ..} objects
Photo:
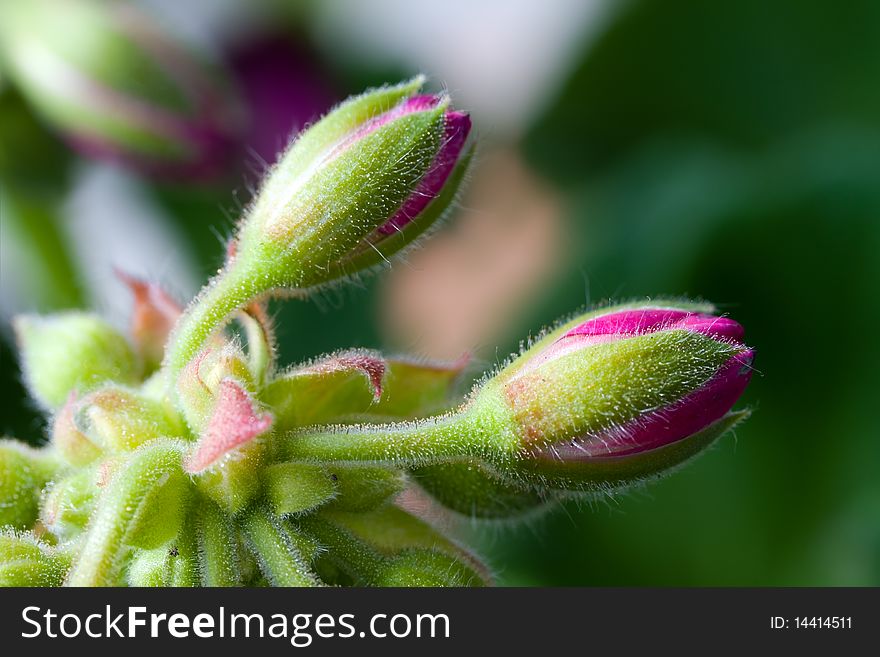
[
  {"x": 363, "y": 488},
  {"x": 142, "y": 505},
  {"x": 128, "y": 92},
  {"x": 120, "y": 420},
  {"x": 71, "y": 352},
  {"x": 352, "y": 184},
  {"x": 68, "y": 502},
  {"x": 152, "y": 318},
  {"x": 27, "y": 561},
  {"x": 228, "y": 455},
  {"x": 352, "y": 190},
  {"x": 293, "y": 488},
  {"x": 72, "y": 444},
  {"x": 605, "y": 400},
  {"x": 198, "y": 385},
  {"x": 617, "y": 388},
  {"x": 392, "y": 532},
  {"x": 23, "y": 473},
  {"x": 425, "y": 567}
]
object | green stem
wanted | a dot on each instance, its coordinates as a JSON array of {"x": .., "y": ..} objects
[
  {"x": 350, "y": 554},
  {"x": 211, "y": 309},
  {"x": 217, "y": 549},
  {"x": 404, "y": 444},
  {"x": 279, "y": 559}
]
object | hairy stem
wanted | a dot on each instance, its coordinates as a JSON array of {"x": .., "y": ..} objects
[{"x": 406, "y": 444}]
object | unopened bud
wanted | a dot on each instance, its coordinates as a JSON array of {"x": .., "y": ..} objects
[
  {"x": 128, "y": 92},
  {"x": 352, "y": 190},
  {"x": 153, "y": 316},
  {"x": 71, "y": 352},
  {"x": 117, "y": 419},
  {"x": 618, "y": 387},
  {"x": 23, "y": 473}
]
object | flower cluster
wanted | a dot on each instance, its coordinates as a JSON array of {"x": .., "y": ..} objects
[{"x": 183, "y": 454}]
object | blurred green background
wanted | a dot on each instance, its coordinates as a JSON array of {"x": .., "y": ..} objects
[{"x": 728, "y": 151}]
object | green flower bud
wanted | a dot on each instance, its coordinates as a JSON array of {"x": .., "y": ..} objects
[
  {"x": 71, "y": 352},
  {"x": 23, "y": 473},
  {"x": 27, "y": 561},
  {"x": 142, "y": 505},
  {"x": 353, "y": 189},
  {"x": 427, "y": 568},
  {"x": 71, "y": 443},
  {"x": 372, "y": 547},
  {"x": 120, "y": 420},
  {"x": 362, "y": 488}
]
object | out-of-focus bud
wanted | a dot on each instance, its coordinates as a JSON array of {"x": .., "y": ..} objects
[
  {"x": 71, "y": 352},
  {"x": 620, "y": 394},
  {"x": 424, "y": 567},
  {"x": 128, "y": 92},
  {"x": 152, "y": 318},
  {"x": 23, "y": 473},
  {"x": 352, "y": 190},
  {"x": 393, "y": 533}
]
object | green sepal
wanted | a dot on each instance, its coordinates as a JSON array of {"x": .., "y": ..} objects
[
  {"x": 328, "y": 389},
  {"x": 475, "y": 489},
  {"x": 362, "y": 488},
  {"x": 414, "y": 388},
  {"x": 293, "y": 488},
  {"x": 427, "y": 568}
]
